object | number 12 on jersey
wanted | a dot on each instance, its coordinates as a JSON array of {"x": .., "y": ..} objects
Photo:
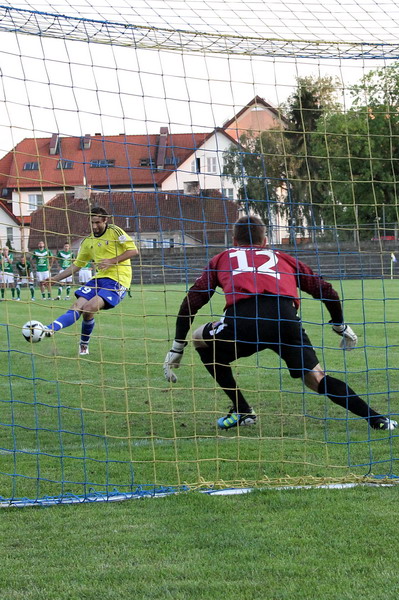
[{"x": 265, "y": 266}]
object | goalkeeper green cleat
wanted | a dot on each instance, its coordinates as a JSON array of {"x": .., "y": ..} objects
[
  {"x": 234, "y": 419},
  {"x": 383, "y": 423}
]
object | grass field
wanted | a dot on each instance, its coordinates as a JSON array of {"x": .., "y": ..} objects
[
  {"x": 274, "y": 545},
  {"x": 93, "y": 422},
  {"x": 110, "y": 421}
]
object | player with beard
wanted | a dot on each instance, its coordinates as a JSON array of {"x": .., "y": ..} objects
[{"x": 110, "y": 249}]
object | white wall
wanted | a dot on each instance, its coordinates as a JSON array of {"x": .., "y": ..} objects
[
  {"x": 20, "y": 201},
  {"x": 210, "y": 152},
  {"x": 17, "y": 235}
]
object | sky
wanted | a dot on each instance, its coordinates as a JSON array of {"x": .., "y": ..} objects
[{"x": 189, "y": 65}]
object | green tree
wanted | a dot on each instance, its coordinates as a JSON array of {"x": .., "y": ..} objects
[
  {"x": 379, "y": 87},
  {"x": 259, "y": 167},
  {"x": 276, "y": 170},
  {"x": 358, "y": 154}
]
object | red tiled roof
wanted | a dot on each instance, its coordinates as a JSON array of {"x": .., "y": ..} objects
[
  {"x": 205, "y": 218},
  {"x": 127, "y": 152},
  {"x": 257, "y": 101}
]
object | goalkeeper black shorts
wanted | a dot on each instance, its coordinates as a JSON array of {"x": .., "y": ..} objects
[{"x": 259, "y": 323}]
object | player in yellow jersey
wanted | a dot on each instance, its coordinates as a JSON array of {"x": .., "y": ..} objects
[{"x": 110, "y": 249}]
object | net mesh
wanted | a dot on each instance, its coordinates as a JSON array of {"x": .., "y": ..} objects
[{"x": 177, "y": 117}]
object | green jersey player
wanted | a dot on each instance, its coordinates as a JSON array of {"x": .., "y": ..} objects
[
  {"x": 43, "y": 258},
  {"x": 24, "y": 277},
  {"x": 6, "y": 272},
  {"x": 65, "y": 258}
]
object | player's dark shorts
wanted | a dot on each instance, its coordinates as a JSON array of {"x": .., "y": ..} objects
[
  {"x": 258, "y": 323},
  {"x": 109, "y": 290}
]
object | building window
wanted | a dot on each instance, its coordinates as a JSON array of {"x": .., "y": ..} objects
[
  {"x": 228, "y": 193},
  {"x": 35, "y": 200},
  {"x": 101, "y": 163},
  {"x": 31, "y": 166},
  {"x": 10, "y": 234},
  {"x": 196, "y": 165},
  {"x": 191, "y": 187},
  {"x": 211, "y": 164},
  {"x": 65, "y": 164},
  {"x": 147, "y": 162}
]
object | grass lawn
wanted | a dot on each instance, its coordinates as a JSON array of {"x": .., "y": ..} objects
[
  {"x": 302, "y": 544},
  {"x": 69, "y": 425}
]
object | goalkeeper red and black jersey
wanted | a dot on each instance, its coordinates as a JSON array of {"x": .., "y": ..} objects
[{"x": 243, "y": 272}]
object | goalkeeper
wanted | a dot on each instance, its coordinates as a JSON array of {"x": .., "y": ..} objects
[{"x": 261, "y": 294}]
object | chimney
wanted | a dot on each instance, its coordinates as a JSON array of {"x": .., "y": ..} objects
[
  {"x": 82, "y": 192},
  {"x": 163, "y": 140},
  {"x": 55, "y": 144}
]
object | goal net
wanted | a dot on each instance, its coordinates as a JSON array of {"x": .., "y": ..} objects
[{"x": 178, "y": 118}]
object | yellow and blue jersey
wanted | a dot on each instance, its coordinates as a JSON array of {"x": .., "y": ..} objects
[{"x": 113, "y": 242}]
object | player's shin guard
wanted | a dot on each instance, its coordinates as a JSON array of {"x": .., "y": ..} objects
[
  {"x": 340, "y": 393},
  {"x": 223, "y": 374},
  {"x": 87, "y": 329},
  {"x": 65, "y": 320}
]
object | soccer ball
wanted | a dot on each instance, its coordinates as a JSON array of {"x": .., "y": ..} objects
[{"x": 33, "y": 331}]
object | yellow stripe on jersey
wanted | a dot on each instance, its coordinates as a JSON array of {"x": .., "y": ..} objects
[{"x": 113, "y": 242}]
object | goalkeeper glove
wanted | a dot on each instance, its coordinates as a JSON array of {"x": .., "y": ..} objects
[
  {"x": 349, "y": 337},
  {"x": 172, "y": 360}
]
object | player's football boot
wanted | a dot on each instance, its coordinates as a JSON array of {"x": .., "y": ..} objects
[
  {"x": 83, "y": 349},
  {"x": 234, "y": 419},
  {"x": 382, "y": 423}
]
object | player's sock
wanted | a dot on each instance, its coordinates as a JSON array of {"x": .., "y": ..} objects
[
  {"x": 2, "y": 293},
  {"x": 340, "y": 393},
  {"x": 12, "y": 292},
  {"x": 32, "y": 291},
  {"x": 87, "y": 329},
  {"x": 65, "y": 320},
  {"x": 49, "y": 295},
  {"x": 60, "y": 292},
  {"x": 18, "y": 288},
  {"x": 43, "y": 295},
  {"x": 68, "y": 290},
  {"x": 223, "y": 374}
]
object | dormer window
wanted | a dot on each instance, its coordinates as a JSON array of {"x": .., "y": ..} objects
[
  {"x": 147, "y": 162},
  {"x": 102, "y": 163},
  {"x": 65, "y": 164},
  {"x": 31, "y": 166}
]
